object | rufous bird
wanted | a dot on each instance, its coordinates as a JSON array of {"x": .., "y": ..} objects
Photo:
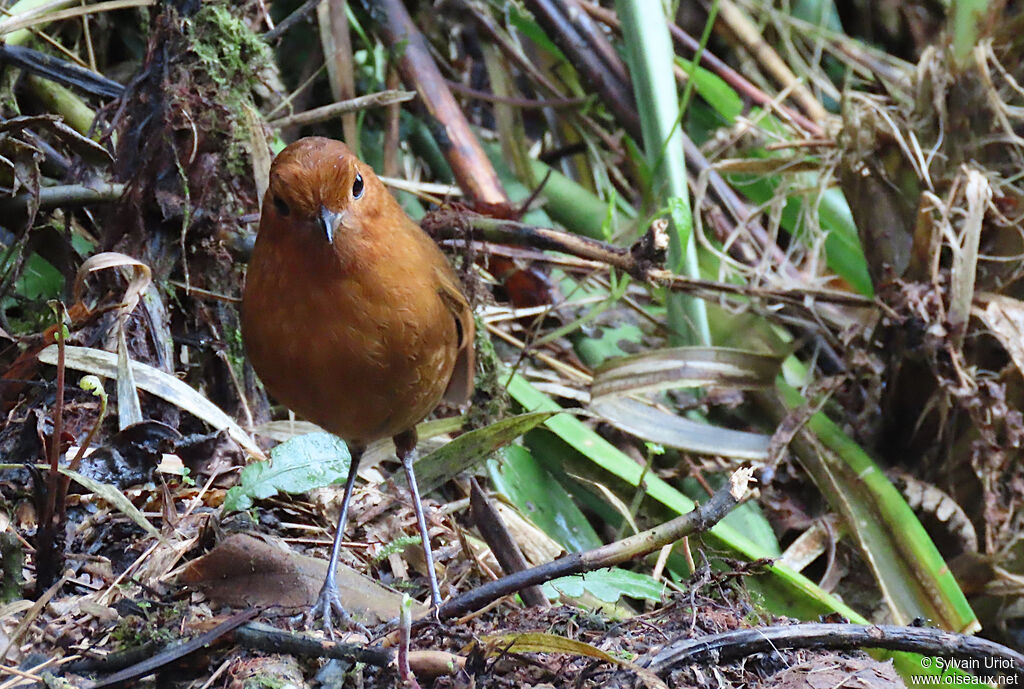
[{"x": 353, "y": 318}]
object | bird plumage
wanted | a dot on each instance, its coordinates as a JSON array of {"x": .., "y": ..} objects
[{"x": 352, "y": 316}]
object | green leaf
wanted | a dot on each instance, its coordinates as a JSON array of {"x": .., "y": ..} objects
[
  {"x": 471, "y": 448},
  {"x": 542, "y": 499},
  {"x": 608, "y": 585},
  {"x": 296, "y": 466},
  {"x": 525, "y": 24},
  {"x": 713, "y": 89},
  {"x": 906, "y": 564},
  {"x": 650, "y": 58}
]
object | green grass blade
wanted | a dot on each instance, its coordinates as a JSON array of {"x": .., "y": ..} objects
[{"x": 650, "y": 57}]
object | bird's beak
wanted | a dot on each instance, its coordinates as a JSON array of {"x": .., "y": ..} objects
[{"x": 330, "y": 221}]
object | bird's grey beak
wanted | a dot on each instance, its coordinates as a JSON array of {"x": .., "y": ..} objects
[{"x": 330, "y": 221}]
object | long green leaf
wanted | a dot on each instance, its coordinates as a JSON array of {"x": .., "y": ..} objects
[
  {"x": 471, "y": 448},
  {"x": 908, "y": 567},
  {"x": 650, "y": 57},
  {"x": 529, "y": 486}
]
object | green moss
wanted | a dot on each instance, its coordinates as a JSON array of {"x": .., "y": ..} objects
[
  {"x": 231, "y": 53},
  {"x": 235, "y": 350},
  {"x": 159, "y": 625},
  {"x": 231, "y": 58},
  {"x": 12, "y": 559},
  {"x": 490, "y": 399}
]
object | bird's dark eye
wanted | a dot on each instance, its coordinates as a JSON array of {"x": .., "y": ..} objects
[
  {"x": 281, "y": 206},
  {"x": 357, "y": 186}
]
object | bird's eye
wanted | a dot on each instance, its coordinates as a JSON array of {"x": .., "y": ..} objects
[
  {"x": 281, "y": 206},
  {"x": 357, "y": 187}
]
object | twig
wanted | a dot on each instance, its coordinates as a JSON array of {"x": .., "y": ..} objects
[
  {"x": 47, "y": 552},
  {"x": 263, "y": 637},
  {"x": 59, "y": 71},
  {"x": 450, "y": 224},
  {"x": 327, "y": 112},
  {"x": 289, "y": 21},
  {"x": 491, "y": 526},
  {"x": 636, "y": 546},
  {"x": 64, "y": 195},
  {"x": 44, "y": 16}
]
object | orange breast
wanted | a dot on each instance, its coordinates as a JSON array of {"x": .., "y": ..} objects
[{"x": 365, "y": 354}]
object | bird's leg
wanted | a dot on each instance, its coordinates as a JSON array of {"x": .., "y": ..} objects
[
  {"x": 328, "y": 603},
  {"x": 405, "y": 447}
]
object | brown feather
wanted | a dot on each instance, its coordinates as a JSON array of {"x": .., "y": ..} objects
[{"x": 363, "y": 336}]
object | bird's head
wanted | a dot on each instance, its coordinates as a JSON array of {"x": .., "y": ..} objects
[{"x": 317, "y": 185}]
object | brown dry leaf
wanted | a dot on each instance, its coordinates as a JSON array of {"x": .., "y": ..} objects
[
  {"x": 137, "y": 284},
  {"x": 244, "y": 571},
  {"x": 1004, "y": 317},
  {"x": 833, "y": 672}
]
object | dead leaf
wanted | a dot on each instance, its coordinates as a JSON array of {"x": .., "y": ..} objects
[
  {"x": 1004, "y": 317},
  {"x": 829, "y": 671},
  {"x": 245, "y": 571}
]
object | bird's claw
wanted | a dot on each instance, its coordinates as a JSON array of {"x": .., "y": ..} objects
[{"x": 328, "y": 607}]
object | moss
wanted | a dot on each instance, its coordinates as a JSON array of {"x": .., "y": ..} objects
[
  {"x": 12, "y": 559},
  {"x": 490, "y": 399},
  {"x": 232, "y": 54},
  {"x": 159, "y": 626},
  {"x": 231, "y": 57}
]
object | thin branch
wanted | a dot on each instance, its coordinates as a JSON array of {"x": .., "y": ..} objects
[
  {"x": 173, "y": 654},
  {"x": 326, "y": 112},
  {"x": 700, "y": 519},
  {"x": 289, "y": 21},
  {"x": 447, "y": 223},
  {"x": 63, "y": 195}
]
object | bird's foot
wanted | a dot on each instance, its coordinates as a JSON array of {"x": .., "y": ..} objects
[{"x": 327, "y": 608}]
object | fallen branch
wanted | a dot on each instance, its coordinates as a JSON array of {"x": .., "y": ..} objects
[
  {"x": 988, "y": 657},
  {"x": 263, "y": 637},
  {"x": 700, "y": 519},
  {"x": 173, "y": 654}
]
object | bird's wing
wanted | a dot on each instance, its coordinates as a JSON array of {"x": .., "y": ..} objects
[{"x": 460, "y": 386}]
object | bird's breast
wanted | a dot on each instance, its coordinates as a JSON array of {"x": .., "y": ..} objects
[{"x": 364, "y": 353}]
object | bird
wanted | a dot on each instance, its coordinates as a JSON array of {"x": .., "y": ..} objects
[{"x": 354, "y": 319}]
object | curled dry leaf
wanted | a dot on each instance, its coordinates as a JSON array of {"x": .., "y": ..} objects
[
  {"x": 137, "y": 284},
  {"x": 682, "y": 367},
  {"x": 1004, "y": 317}
]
